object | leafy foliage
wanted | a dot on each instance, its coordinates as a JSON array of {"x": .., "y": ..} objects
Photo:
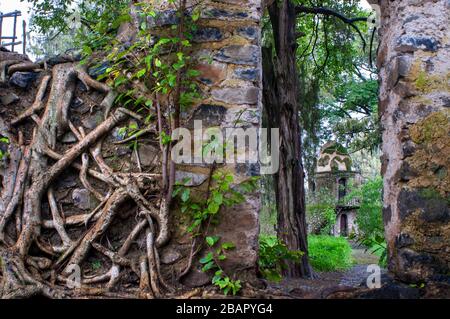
[
  {"x": 4, "y": 141},
  {"x": 272, "y": 256},
  {"x": 320, "y": 212},
  {"x": 328, "y": 253},
  {"x": 211, "y": 262},
  {"x": 71, "y": 24},
  {"x": 369, "y": 217},
  {"x": 221, "y": 194}
]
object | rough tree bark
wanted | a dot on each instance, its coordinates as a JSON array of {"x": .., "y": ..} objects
[{"x": 281, "y": 107}]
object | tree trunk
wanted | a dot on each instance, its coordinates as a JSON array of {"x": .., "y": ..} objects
[{"x": 282, "y": 111}]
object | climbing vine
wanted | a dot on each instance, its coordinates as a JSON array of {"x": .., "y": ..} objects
[{"x": 203, "y": 213}]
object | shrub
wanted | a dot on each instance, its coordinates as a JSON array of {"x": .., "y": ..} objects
[
  {"x": 369, "y": 218},
  {"x": 272, "y": 255},
  {"x": 320, "y": 212},
  {"x": 327, "y": 253}
]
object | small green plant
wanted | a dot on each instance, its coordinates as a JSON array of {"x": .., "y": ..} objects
[
  {"x": 96, "y": 264},
  {"x": 328, "y": 253},
  {"x": 211, "y": 262},
  {"x": 321, "y": 212},
  {"x": 3, "y": 154},
  {"x": 273, "y": 254},
  {"x": 221, "y": 193},
  {"x": 369, "y": 218},
  {"x": 160, "y": 64}
]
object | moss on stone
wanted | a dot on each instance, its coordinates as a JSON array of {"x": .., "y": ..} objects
[
  {"x": 422, "y": 82},
  {"x": 432, "y": 128}
]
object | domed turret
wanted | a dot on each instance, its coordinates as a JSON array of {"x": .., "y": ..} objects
[{"x": 333, "y": 158}]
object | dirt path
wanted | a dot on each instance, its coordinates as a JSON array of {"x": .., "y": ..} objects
[{"x": 324, "y": 281}]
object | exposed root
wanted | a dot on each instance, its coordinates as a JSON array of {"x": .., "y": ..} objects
[
  {"x": 38, "y": 102},
  {"x": 153, "y": 271},
  {"x": 19, "y": 185},
  {"x": 23, "y": 67},
  {"x": 100, "y": 227},
  {"x": 29, "y": 183},
  {"x": 58, "y": 221},
  {"x": 4, "y": 68},
  {"x": 84, "y": 180}
]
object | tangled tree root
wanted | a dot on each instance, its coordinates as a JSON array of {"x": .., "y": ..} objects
[{"x": 32, "y": 169}]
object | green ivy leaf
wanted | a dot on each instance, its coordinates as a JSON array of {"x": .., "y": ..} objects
[
  {"x": 228, "y": 246},
  {"x": 209, "y": 257},
  {"x": 218, "y": 198},
  {"x": 186, "y": 194},
  {"x": 212, "y": 240},
  {"x": 210, "y": 265}
]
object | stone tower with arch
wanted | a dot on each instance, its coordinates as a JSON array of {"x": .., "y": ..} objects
[{"x": 334, "y": 174}]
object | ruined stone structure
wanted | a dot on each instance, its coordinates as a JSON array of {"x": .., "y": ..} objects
[
  {"x": 130, "y": 215},
  {"x": 414, "y": 60},
  {"x": 227, "y": 50},
  {"x": 334, "y": 173}
]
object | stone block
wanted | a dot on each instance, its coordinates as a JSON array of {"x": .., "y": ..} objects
[
  {"x": 241, "y": 95},
  {"x": 239, "y": 54}
]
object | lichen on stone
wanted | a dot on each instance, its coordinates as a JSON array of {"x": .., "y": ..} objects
[{"x": 433, "y": 127}]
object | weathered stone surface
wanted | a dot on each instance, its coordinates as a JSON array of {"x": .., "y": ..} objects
[
  {"x": 414, "y": 61},
  {"x": 413, "y": 43},
  {"x": 69, "y": 138},
  {"x": 148, "y": 154},
  {"x": 169, "y": 256},
  {"x": 242, "y": 95},
  {"x": 237, "y": 54},
  {"x": 211, "y": 115},
  {"x": 212, "y": 73},
  {"x": 403, "y": 240},
  {"x": 81, "y": 198},
  {"x": 67, "y": 181},
  {"x": 236, "y": 117},
  {"x": 208, "y": 34},
  {"x": 229, "y": 36},
  {"x": 251, "y": 33},
  {"x": 248, "y": 169},
  {"x": 196, "y": 278},
  {"x": 249, "y": 74},
  {"x": 9, "y": 98},
  {"x": 433, "y": 208},
  {"x": 222, "y": 14},
  {"x": 23, "y": 79},
  {"x": 92, "y": 121},
  {"x": 243, "y": 234},
  {"x": 190, "y": 179},
  {"x": 404, "y": 65}
]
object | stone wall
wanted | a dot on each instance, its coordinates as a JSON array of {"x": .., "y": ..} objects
[
  {"x": 414, "y": 60},
  {"x": 227, "y": 51}
]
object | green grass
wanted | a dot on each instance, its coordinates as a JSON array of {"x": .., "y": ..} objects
[{"x": 327, "y": 253}]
